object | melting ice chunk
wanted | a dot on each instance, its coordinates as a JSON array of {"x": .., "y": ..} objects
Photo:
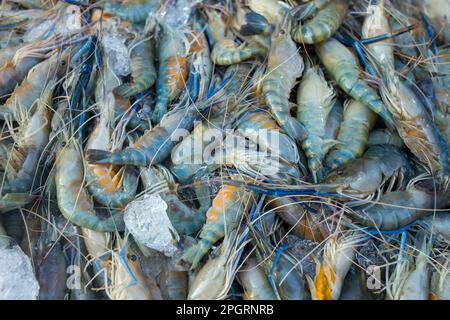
[
  {"x": 147, "y": 220},
  {"x": 17, "y": 279}
]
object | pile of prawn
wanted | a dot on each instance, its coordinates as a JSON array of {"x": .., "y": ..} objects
[{"x": 301, "y": 147}]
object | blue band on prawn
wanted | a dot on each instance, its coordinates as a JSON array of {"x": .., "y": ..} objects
[
  {"x": 136, "y": 105},
  {"x": 124, "y": 261},
  {"x": 76, "y": 3},
  {"x": 432, "y": 37},
  {"x": 85, "y": 50},
  {"x": 8, "y": 26},
  {"x": 254, "y": 212},
  {"x": 279, "y": 251},
  {"x": 358, "y": 44},
  {"x": 279, "y": 192},
  {"x": 88, "y": 50},
  {"x": 396, "y": 231},
  {"x": 212, "y": 90},
  {"x": 209, "y": 36},
  {"x": 193, "y": 86}
]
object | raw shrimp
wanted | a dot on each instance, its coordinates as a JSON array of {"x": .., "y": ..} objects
[
  {"x": 343, "y": 67},
  {"x": 412, "y": 120},
  {"x": 154, "y": 146},
  {"x": 143, "y": 70},
  {"x": 128, "y": 281},
  {"x": 254, "y": 281},
  {"x": 28, "y": 92},
  {"x": 225, "y": 50},
  {"x": 132, "y": 10},
  {"x": 73, "y": 201},
  {"x": 314, "y": 103},
  {"x": 353, "y": 134},
  {"x": 109, "y": 185},
  {"x": 399, "y": 208},
  {"x": 338, "y": 255},
  {"x": 411, "y": 278},
  {"x": 363, "y": 176},
  {"x": 214, "y": 279},
  {"x": 14, "y": 70},
  {"x": 172, "y": 71},
  {"x": 226, "y": 212},
  {"x": 323, "y": 25},
  {"x": 23, "y": 158},
  {"x": 284, "y": 66},
  {"x": 418, "y": 131}
]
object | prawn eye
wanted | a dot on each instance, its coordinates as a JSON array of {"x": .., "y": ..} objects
[
  {"x": 63, "y": 63},
  {"x": 282, "y": 32},
  {"x": 133, "y": 257},
  {"x": 340, "y": 172}
]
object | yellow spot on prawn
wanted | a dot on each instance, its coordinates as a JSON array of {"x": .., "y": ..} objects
[
  {"x": 249, "y": 295},
  {"x": 107, "y": 177},
  {"x": 224, "y": 197},
  {"x": 177, "y": 72},
  {"x": 322, "y": 283},
  {"x": 433, "y": 296}
]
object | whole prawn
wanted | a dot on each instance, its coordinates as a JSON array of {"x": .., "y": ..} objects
[
  {"x": 14, "y": 70},
  {"x": 314, "y": 103},
  {"x": 110, "y": 186},
  {"x": 365, "y": 175},
  {"x": 27, "y": 93},
  {"x": 284, "y": 66},
  {"x": 73, "y": 200},
  {"x": 23, "y": 158},
  {"x": 412, "y": 120},
  {"x": 226, "y": 212},
  {"x": 172, "y": 71},
  {"x": 343, "y": 67}
]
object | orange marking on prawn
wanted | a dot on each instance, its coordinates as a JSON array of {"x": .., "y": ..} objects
[
  {"x": 225, "y": 195},
  {"x": 322, "y": 283},
  {"x": 197, "y": 42},
  {"x": 177, "y": 72},
  {"x": 107, "y": 177}
]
